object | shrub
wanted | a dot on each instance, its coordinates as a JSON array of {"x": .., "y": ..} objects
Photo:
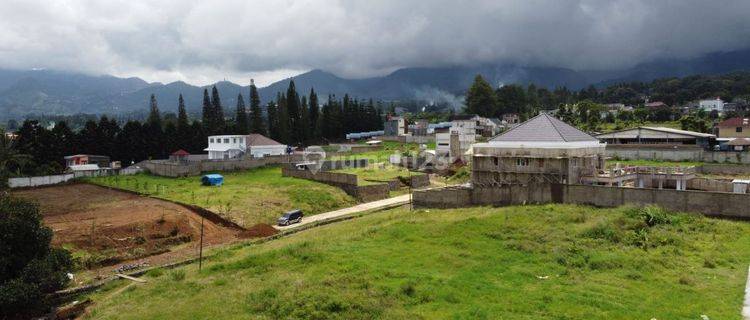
[
  {"x": 29, "y": 268},
  {"x": 177, "y": 275},
  {"x": 604, "y": 231}
]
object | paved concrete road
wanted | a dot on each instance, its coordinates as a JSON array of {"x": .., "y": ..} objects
[{"x": 380, "y": 204}]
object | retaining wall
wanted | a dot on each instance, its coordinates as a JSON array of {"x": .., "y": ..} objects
[
  {"x": 345, "y": 181},
  {"x": 170, "y": 169},
  {"x": 674, "y": 153},
  {"x": 727, "y": 169},
  {"x": 710, "y": 185},
  {"x": 722, "y": 204}
]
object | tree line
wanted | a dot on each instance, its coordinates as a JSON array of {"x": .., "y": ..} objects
[{"x": 292, "y": 119}]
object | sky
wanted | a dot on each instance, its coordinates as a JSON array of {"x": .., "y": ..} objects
[{"x": 201, "y": 42}]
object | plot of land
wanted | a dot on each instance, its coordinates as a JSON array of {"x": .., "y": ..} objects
[
  {"x": 104, "y": 227},
  {"x": 247, "y": 197},
  {"x": 378, "y": 173},
  {"x": 521, "y": 262}
]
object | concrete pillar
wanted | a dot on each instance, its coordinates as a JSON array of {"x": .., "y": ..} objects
[
  {"x": 619, "y": 183},
  {"x": 640, "y": 182},
  {"x": 661, "y": 183},
  {"x": 678, "y": 184}
]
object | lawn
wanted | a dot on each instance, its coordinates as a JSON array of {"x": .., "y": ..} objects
[
  {"x": 378, "y": 173},
  {"x": 520, "y": 262},
  {"x": 247, "y": 197}
]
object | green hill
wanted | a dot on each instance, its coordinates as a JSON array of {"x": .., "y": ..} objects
[{"x": 522, "y": 262}]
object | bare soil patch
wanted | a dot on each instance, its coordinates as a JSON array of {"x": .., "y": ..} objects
[
  {"x": 259, "y": 231},
  {"x": 104, "y": 227}
]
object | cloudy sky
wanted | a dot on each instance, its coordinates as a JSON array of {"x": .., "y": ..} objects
[{"x": 205, "y": 41}]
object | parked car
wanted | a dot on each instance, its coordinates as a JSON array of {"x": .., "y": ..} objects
[{"x": 290, "y": 217}]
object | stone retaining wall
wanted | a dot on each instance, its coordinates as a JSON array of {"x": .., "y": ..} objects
[
  {"x": 724, "y": 204},
  {"x": 345, "y": 181}
]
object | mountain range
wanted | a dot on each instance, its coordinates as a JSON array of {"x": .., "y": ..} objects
[{"x": 64, "y": 93}]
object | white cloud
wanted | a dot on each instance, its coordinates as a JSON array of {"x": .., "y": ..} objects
[{"x": 205, "y": 41}]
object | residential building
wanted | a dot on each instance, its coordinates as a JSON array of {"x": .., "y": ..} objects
[
  {"x": 712, "y": 105},
  {"x": 656, "y": 135},
  {"x": 655, "y": 105},
  {"x": 237, "y": 146},
  {"x": 540, "y": 150},
  {"x": 737, "y": 127},
  {"x": 511, "y": 119},
  {"x": 739, "y": 144},
  {"x": 179, "y": 156},
  {"x": 84, "y": 159},
  {"x": 420, "y": 128},
  {"x": 459, "y": 138},
  {"x": 395, "y": 126}
]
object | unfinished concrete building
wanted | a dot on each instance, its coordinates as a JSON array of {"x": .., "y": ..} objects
[{"x": 540, "y": 150}]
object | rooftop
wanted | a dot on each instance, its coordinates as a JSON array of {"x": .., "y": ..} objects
[
  {"x": 255, "y": 139},
  {"x": 544, "y": 128},
  {"x": 735, "y": 122}
]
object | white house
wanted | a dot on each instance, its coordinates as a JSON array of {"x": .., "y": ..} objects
[
  {"x": 236, "y": 146},
  {"x": 713, "y": 104},
  {"x": 459, "y": 138}
]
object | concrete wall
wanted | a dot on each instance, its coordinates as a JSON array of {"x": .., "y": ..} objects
[
  {"x": 723, "y": 204},
  {"x": 171, "y": 169},
  {"x": 408, "y": 139},
  {"x": 345, "y": 181},
  {"x": 704, "y": 184},
  {"x": 674, "y": 153},
  {"x": 727, "y": 169},
  {"x": 27, "y": 182}
]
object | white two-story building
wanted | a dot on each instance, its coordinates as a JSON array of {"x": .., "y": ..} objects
[
  {"x": 237, "y": 146},
  {"x": 459, "y": 138}
]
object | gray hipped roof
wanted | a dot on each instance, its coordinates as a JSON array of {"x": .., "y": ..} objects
[{"x": 544, "y": 128}]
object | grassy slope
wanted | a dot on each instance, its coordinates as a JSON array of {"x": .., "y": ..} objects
[
  {"x": 247, "y": 197},
  {"x": 465, "y": 264}
]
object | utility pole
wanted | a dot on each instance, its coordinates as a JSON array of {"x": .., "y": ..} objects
[{"x": 200, "y": 251}]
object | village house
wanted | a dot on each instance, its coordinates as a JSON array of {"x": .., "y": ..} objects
[
  {"x": 237, "y": 146},
  {"x": 540, "y": 150},
  {"x": 737, "y": 127},
  {"x": 395, "y": 126},
  {"x": 712, "y": 105},
  {"x": 657, "y": 135},
  {"x": 459, "y": 138},
  {"x": 86, "y": 159}
]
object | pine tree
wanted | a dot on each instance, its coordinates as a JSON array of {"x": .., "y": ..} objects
[
  {"x": 304, "y": 123},
  {"x": 184, "y": 135},
  {"x": 283, "y": 119},
  {"x": 256, "y": 114},
  {"x": 240, "y": 119},
  {"x": 314, "y": 114},
  {"x": 273, "y": 121},
  {"x": 294, "y": 114},
  {"x": 218, "y": 112},
  {"x": 154, "y": 118},
  {"x": 207, "y": 112}
]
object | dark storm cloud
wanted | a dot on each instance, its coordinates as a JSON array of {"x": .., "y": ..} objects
[{"x": 204, "y": 41}]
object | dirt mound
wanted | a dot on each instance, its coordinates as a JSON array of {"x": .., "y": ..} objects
[{"x": 260, "y": 230}]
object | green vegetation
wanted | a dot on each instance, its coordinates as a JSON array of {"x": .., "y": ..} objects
[
  {"x": 378, "y": 173},
  {"x": 520, "y": 262},
  {"x": 247, "y": 197},
  {"x": 29, "y": 268}
]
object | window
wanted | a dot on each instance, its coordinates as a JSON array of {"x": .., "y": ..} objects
[
  {"x": 242, "y": 140},
  {"x": 234, "y": 140},
  {"x": 226, "y": 140},
  {"x": 522, "y": 162},
  {"x": 211, "y": 140},
  {"x": 495, "y": 160},
  {"x": 739, "y": 129}
]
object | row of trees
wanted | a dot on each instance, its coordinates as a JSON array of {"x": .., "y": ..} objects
[{"x": 291, "y": 119}]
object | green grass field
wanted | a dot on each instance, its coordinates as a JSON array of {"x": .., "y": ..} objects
[
  {"x": 247, "y": 197},
  {"x": 521, "y": 262},
  {"x": 378, "y": 173}
]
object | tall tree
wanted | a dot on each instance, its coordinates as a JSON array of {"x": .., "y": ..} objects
[
  {"x": 304, "y": 123},
  {"x": 154, "y": 117},
  {"x": 314, "y": 114},
  {"x": 283, "y": 119},
  {"x": 481, "y": 98},
  {"x": 240, "y": 119},
  {"x": 256, "y": 114},
  {"x": 294, "y": 114},
  {"x": 183, "y": 135},
  {"x": 207, "y": 111},
  {"x": 218, "y": 112},
  {"x": 273, "y": 121}
]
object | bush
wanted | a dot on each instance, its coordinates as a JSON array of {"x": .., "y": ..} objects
[
  {"x": 29, "y": 268},
  {"x": 177, "y": 275}
]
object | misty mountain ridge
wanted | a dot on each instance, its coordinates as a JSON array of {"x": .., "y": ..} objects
[{"x": 65, "y": 93}]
